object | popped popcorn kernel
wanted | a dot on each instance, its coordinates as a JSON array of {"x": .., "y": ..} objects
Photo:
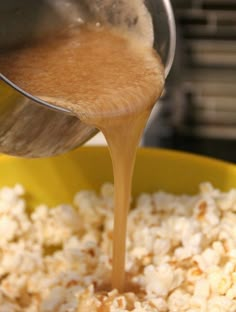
[{"x": 181, "y": 253}]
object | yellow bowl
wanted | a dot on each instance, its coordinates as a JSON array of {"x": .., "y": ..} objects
[{"x": 56, "y": 180}]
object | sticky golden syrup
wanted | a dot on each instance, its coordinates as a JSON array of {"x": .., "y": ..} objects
[{"x": 109, "y": 80}]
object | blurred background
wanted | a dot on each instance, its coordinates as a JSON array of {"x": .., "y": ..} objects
[{"x": 197, "y": 113}]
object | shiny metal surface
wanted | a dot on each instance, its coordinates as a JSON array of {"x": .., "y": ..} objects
[{"x": 30, "y": 127}]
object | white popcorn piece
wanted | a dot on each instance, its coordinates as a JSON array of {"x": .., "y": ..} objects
[
  {"x": 107, "y": 191},
  {"x": 208, "y": 189},
  {"x": 202, "y": 289},
  {"x": 179, "y": 301},
  {"x": 209, "y": 258},
  {"x": 231, "y": 292},
  {"x": 181, "y": 253},
  {"x": 221, "y": 304},
  {"x": 219, "y": 282},
  {"x": 227, "y": 201},
  {"x": 163, "y": 279},
  {"x": 119, "y": 304},
  {"x": 55, "y": 299},
  {"x": 8, "y": 229}
]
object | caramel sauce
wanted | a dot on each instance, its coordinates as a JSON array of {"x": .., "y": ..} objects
[{"x": 110, "y": 80}]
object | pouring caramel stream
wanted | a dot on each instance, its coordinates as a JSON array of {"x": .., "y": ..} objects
[{"x": 109, "y": 80}]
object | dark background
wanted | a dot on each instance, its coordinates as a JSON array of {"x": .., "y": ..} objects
[{"x": 198, "y": 111}]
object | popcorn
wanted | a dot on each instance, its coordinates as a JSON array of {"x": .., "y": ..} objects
[
  {"x": 54, "y": 301},
  {"x": 207, "y": 259},
  {"x": 219, "y": 281},
  {"x": 181, "y": 253},
  {"x": 8, "y": 229},
  {"x": 221, "y": 304},
  {"x": 179, "y": 300},
  {"x": 160, "y": 281},
  {"x": 202, "y": 289}
]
